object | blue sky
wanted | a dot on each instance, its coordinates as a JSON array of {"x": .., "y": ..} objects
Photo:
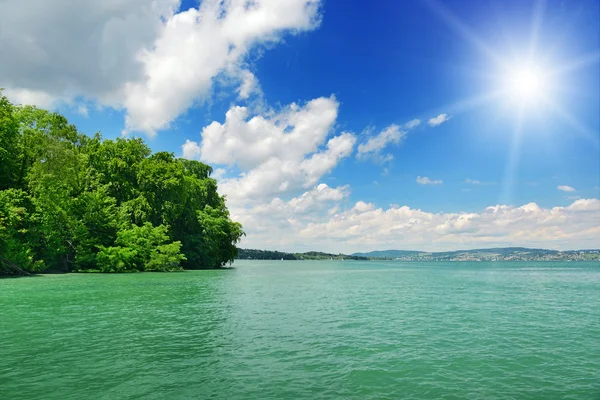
[{"x": 168, "y": 72}]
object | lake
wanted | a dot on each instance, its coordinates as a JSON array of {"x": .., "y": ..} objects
[{"x": 306, "y": 330}]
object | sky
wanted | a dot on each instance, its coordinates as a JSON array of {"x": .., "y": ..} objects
[{"x": 342, "y": 125}]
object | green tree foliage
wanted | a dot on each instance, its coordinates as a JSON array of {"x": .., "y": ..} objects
[
  {"x": 19, "y": 231},
  {"x": 141, "y": 248},
  {"x": 9, "y": 130},
  {"x": 69, "y": 202}
]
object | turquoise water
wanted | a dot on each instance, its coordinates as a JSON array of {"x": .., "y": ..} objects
[{"x": 306, "y": 330}]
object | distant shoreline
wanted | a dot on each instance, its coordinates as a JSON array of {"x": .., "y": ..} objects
[{"x": 476, "y": 255}]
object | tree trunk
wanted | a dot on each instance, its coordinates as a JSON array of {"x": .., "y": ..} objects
[{"x": 7, "y": 267}]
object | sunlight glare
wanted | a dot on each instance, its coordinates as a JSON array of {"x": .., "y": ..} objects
[{"x": 526, "y": 85}]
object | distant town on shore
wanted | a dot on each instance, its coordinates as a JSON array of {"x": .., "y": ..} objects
[{"x": 491, "y": 254}]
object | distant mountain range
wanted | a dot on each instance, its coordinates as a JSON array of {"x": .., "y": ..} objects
[
  {"x": 499, "y": 250},
  {"x": 389, "y": 253},
  {"x": 490, "y": 254}
]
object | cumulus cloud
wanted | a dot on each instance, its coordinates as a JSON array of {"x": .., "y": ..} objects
[
  {"x": 440, "y": 119},
  {"x": 277, "y": 222},
  {"x": 373, "y": 147},
  {"x": 565, "y": 188},
  {"x": 58, "y": 50},
  {"x": 191, "y": 150},
  {"x": 277, "y": 153},
  {"x": 364, "y": 226},
  {"x": 305, "y": 205},
  {"x": 140, "y": 55},
  {"x": 423, "y": 180}
]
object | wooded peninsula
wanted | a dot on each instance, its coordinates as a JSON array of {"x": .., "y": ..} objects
[{"x": 74, "y": 203}]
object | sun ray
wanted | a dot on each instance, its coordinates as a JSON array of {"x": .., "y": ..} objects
[
  {"x": 577, "y": 64},
  {"x": 587, "y": 94},
  {"x": 465, "y": 105},
  {"x": 578, "y": 127},
  {"x": 536, "y": 23},
  {"x": 508, "y": 183},
  {"x": 463, "y": 30}
]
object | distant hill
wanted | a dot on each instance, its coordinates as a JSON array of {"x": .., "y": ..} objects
[
  {"x": 253, "y": 254},
  {"x": 487, "y": 254},
  {"x": 407, "y": 253},
  {"x": 388, "y": 253},
  {"x": 505, "y": 250}
]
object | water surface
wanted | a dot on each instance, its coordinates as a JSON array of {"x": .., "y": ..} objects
[{"x": 306, "y": 330}]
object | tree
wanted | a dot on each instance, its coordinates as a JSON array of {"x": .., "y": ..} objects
[
  {"x": 219, "y": 236},
  {"x": 39, "y": 131},
  {"x": 116, "y": 164},
  {"x": 19, "y": 238},
  {"x": 53, "y": 183},
  {"x": 9, "y": 129},
  {"x": 99, "y": 222}
]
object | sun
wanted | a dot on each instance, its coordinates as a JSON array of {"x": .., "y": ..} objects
[{"x": 526, "y": 85}]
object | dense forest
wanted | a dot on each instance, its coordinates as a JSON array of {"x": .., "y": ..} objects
[{"x": 74, "y": 203}]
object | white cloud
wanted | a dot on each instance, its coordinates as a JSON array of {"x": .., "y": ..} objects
[
  {"x": 251, "y": 141},
  {"x": 266, "y": 223},
  {"x": 219, "y": 173},
  {"x": 374, "y": 145},
  {"x": 440, "y": 119},
  {"x": 322, "y": 162},
  {"x": 191, "y": 150},
  {"x": 140, "y": 55},
  {"x": 477, "y": 182},
  {"x": 565, "y": 188},
  {"x": 280, "y": 175},
  {"x": 31, "y": 97},
  {"x": 366, "y": 227},
  {"x": 412, "y": 124},
  {"x": 248, "y": 86},
  {"x": 314, "y": 199},
  {"x": 585, "y": 205},
  {"x": 197, "y": 45},
  {"x": 423, "y": 180},
  {"x": 59, "y": 50},
  {"x": 277, "y": 153}
]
